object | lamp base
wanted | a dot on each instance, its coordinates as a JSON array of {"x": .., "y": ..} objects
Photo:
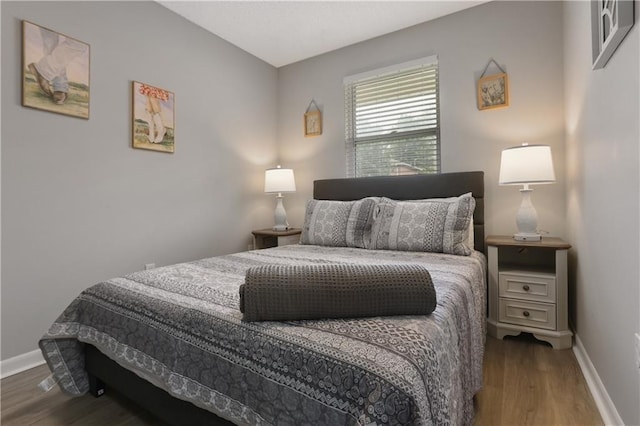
[
  {"x": 523, "y": 236},
  {"x": 280, "y": 216},
  {"x": 527, "y": 218}
]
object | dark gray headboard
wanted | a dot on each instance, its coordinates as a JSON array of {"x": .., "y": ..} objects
[{"x": 412, "y": 187}]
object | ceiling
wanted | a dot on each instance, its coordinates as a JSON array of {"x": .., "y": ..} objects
[{"x": 283, "y": 32}]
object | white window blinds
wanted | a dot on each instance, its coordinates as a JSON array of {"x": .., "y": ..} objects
[{"x": 392, "y": 120}]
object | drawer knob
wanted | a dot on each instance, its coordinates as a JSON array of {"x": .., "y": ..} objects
[
  {"x": 525, "y": 287},
  {"x": 526, "y": 314}
]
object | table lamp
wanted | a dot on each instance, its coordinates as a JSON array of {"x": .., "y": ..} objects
[
  {"x": 277, "y": 181},
  {"x": 527, "y": 165}
]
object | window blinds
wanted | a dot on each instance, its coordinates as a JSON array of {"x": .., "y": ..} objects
[{"x": 392, "y": 121}]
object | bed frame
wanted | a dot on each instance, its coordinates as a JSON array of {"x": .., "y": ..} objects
[{"x": 105, "y": 373}]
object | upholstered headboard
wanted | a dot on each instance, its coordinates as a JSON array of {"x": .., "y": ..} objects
[{"x": 411, "y": 187}]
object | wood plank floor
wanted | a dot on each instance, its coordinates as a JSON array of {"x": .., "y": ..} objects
[{"x": 525, "y": 383}]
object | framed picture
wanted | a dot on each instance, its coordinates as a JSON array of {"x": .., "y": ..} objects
[
  {"x": 493, "y": 91},
  {"x": 611, "y": 20},
  {"x": 55, "y": 71},
  {"x": 153, "y": 118},
  {"x": 313, "y": 123}
]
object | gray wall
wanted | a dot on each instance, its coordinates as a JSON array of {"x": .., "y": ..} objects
[
  {"x": 603, "y": 185},
  {"x": 524, "y": 37},
  {"x": 80, "y": 205}
]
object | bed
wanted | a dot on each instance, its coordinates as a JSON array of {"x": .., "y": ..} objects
[{"x": 172, "y": 340}]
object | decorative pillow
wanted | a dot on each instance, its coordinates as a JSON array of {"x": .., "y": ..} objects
[
  {"x": 360, "y": 222},
  {"x": 437, "y": 225},
  {"x": 338, "y": 223},
  {"x": 470, "y": 230}
]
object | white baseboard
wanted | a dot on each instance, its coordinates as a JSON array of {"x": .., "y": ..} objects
[
  {"x": 20, "y": 363},
  {"x": 605, "y": 406}
]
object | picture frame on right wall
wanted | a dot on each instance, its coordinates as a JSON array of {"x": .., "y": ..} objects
[
  {"x": 611, "y": 20},
  {"x": 493, "y": 91}
]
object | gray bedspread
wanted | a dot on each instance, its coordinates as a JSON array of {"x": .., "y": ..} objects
[{"x": 179, "y": 327}]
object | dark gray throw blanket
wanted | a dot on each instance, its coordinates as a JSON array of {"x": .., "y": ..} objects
[{"x": 298, "y": 292}]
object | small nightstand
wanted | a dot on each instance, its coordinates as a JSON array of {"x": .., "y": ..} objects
[
  {"x": 528, "y": 289},
  {"x": 265, "y": 238}
]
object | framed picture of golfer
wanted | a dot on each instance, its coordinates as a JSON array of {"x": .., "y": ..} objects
[
  {"x": 153, "y": 118},
  {"x": 55, "y": 71}
]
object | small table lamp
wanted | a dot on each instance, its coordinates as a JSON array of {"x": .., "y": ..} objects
[
  {"x": 277, "y": 181},
  {"x": 527, "y": 165}
]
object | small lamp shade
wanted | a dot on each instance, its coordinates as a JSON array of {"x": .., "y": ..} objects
[
  {"x": 526, "y": 164},
  {"x": 279, "y": 180}
]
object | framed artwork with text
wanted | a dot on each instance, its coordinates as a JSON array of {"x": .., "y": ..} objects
[{"x": 153, "y": 118}]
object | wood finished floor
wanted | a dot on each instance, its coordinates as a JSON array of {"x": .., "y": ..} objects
[{"x": 525, "y": 383}]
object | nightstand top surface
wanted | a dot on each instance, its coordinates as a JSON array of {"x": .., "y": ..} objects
[
  {"x": 545, "y": 242},
  {"x": 271, "y": 232}
]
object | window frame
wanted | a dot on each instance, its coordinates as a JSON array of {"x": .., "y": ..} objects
[{"x": 350, "y": 82}]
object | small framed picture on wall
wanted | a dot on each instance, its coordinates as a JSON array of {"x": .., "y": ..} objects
[
  {"x": 313, "y": 123},
  {"x": 493, "y": 91},
  {"x": 153, "y": 118}
]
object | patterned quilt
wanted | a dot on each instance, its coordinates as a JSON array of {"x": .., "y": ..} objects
[{"x": 179, "y": 327}]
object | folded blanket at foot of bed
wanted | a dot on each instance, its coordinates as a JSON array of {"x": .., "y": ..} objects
[{"x": 296, "y": 292}]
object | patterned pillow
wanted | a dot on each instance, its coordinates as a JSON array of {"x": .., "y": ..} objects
[
  {"x": 470, "y": 231},
  {"x": 338, "y": 223},
  {"x": 438, "y": 225}
]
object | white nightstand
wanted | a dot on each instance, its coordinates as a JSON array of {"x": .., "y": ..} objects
[
  {"x": 528, "y": 289},
  {"x": 265, "y": 238}
]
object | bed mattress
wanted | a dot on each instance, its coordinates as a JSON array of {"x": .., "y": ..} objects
[{"x": 179, "y": 327}]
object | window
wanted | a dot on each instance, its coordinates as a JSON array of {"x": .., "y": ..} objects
[{"x": 392, "y": 120}]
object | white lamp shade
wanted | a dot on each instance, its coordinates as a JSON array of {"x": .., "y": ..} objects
[
  {"x": 279, "y": 180},
  {"x": 526, "y": 164}
]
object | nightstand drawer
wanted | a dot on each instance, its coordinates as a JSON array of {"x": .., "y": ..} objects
[
  {"x": 539, "y": 315},
  {"x": 288, "y": 240},
  {"x": 536, "y": 286},
  {"x": 265, "y": 238}
]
